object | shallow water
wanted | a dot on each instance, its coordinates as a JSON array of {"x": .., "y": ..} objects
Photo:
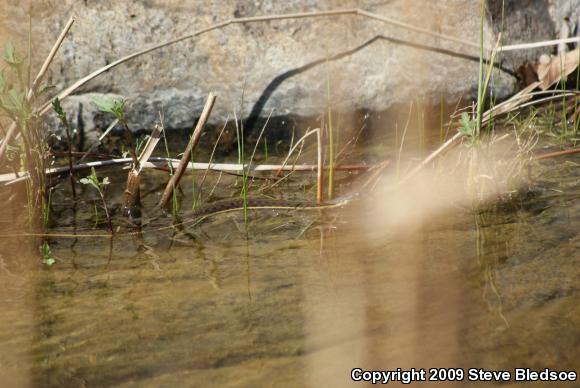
[{"x": 299, "y": 299}]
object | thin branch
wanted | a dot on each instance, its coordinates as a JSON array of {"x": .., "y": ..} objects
[
  {"x": 149, "y": 147},
  {"x": 161, "y": 163},
  {"x": 439, "y": 151},
  {"x": 298, "y": 143},
  {"x": 557, "y": 153},
  {"x": 414, "y": 28},
  {"x": 98, "y": 142},
  {"x": 49, "y": 59},
  {"x": 174, "y": 181},
  {"x": 544, "y": 43}
]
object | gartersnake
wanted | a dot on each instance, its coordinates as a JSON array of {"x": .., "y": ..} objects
[
  {"x": 212, "y": 209},
  {"x": 236, "y": 204}
]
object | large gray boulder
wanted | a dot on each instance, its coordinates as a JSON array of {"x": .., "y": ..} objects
[{"x": 286, "y": 67}]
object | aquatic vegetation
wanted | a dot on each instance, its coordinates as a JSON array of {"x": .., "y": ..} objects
[
  {"x": 30, "y": 152},
  {"x": 468, "y": 128},
  {"x": 46, "y": 254},
  {"x": 116, "y": 107},
  {"x": 99, "y": 185}
]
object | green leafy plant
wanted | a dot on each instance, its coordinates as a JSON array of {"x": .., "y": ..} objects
[
  {"x": 483, "y": 78},
  {"x": 93, "y": 180},
  {"x": 46, "y": 254},
  {"x": 117, "y": 109},
  {"x": 468, "y": 127},
  {"x": 13, "y": 95},
  {"x": 109, "y": 105},
  {"x": 29, "y": 150}
]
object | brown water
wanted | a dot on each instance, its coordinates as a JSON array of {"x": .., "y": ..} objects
[{"x": 297, "y": 299}]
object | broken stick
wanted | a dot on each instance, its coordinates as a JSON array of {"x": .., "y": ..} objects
[{"x": 174, "y": 181}]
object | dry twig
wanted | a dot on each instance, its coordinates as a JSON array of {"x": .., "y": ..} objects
[{"x": 174, "y": 181}]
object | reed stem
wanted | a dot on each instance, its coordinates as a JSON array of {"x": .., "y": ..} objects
[{"x": 174, "y": 181}]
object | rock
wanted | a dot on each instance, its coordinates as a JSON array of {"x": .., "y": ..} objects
[
  {"x": 524, "y": 21},
  {"x": 295, "y": 66}
]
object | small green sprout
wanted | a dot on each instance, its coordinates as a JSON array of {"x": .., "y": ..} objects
[
  {"x": 109, "y": 105},
  {"x": 468, "y": 129},
  {"x": 93, "y": 180},
  {"x": 117, "y": 109},
  {"x": 58, "y": 109},
  {"x": 46, "y": 254}
]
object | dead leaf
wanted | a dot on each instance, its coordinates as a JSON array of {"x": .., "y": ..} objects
[{"x": 552, "y": 71}]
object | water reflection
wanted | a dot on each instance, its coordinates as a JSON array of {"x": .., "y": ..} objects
[{"x": 300, "y": 299}]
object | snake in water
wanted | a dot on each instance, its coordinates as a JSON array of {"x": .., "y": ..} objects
[{"x": 230, "y": 205}]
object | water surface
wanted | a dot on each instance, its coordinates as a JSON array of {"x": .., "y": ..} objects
[{"x": 296, "y": 298}]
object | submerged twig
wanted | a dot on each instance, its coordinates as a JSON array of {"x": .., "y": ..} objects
[{"x": 554, "y": 154}]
